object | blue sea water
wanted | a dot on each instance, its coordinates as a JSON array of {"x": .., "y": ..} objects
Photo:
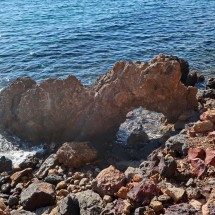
[{"x": 55, "y": 38}]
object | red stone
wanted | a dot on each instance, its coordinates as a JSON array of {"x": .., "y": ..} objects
[
  {"x": 195, "y": 153},
  {"x": 199, "y": 166},
  {"x": 210, "y": 157},
  {"x": 143, "y": 192}
]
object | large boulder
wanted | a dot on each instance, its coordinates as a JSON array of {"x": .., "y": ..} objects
[
  {"x": 38, "y": 194},
  {"x": 66, "y": 110},
  {"x": 76, "y": 154}
]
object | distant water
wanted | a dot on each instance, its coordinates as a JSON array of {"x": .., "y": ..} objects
[{"x": 55, "y": 38}]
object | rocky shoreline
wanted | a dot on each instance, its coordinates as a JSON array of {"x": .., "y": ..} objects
[{"x": 103, "y": 178}]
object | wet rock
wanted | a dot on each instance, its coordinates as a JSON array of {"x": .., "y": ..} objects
[
  {"x": 53, "y": 179},
  {"x": 177, "y": 144},
  {"x": 175, "y": 193},
  {"x": 76, "y": 154},
  {"x": 17, "y": 176},
  {"x": 182, "y": 208},
  {"x": 47, "y": 164},
  {"x": 29, "y": 162},
  {"x": 38, "y": 195},
  {"x": 58, "y": 102},
  {"x": 210, "y": 157},
  {"x": 210, "y": 83},
  {"x": 5, "y": 164},
  {"x": 13, "y": 200},
  {"x": 167, "y": 167},
  {"x": 5, "y": 188},
  {"x": 109, "y": 181},
  {"x": 199, "y": 166},
  {"x": 87, "y": 199},
  {"x": 192, "y": 79},
  {"x": 143, "y": 192},
  {"x": 68, "y": 206},
  {"x": 195, "y": 153},
  {"x": 203, "y": 126}
]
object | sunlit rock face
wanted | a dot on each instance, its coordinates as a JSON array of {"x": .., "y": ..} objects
[{"x": 66, "y": 110}]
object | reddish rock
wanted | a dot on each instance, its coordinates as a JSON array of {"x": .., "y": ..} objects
[
  {"x": 208, "y": 115},
  {"x": 3, "y": 208},
  {"x": 17, "y": 176},
  {"x": 66, "y": 110},
  {"x": 211, "y": 134},
  {"x": 76, "y": 154},
  {"x": 195, "y": 153},
  {"x": 122, "y": 193},
  {"x": 210, "y": 157},
  {"x": 199, "y": 166},
  {"x": 109, "y": 181},
  {"x": 203, "y": 126},
  {"x": 143, "y": 192},
  {"x": 38, "y": 195},
  {"x": 182, "y": 208}
]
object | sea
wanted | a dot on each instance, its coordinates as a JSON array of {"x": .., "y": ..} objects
[{"x": 57, "y": 38}]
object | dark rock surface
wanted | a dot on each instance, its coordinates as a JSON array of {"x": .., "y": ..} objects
[
  {"x": 5, "y": 164},
  {"x": 38, "y": 195}
]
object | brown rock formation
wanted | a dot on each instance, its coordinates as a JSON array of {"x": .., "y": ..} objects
[{"x": 66, "y": 110}]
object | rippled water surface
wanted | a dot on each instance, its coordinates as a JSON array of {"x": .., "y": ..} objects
[{"x": 43, "y": 38}]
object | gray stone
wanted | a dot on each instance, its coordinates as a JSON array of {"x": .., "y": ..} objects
[
  {"x": 167, "y": 167},
  {"x": 177, "y": 144},
  {"x": 68, "y": 206},
  {"x": 13, "y": 200},
  {"x": 53, "y": 179},
  {"x": 39, "y": 194},
  {"x": 88, "y": 199},
  {"x": 47, "y": 164}
]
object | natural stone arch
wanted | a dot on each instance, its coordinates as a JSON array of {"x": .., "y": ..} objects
[{"x": 66, "y": 110}]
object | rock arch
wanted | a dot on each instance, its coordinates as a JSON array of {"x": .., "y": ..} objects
[{"x": 66, "y": 110}]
